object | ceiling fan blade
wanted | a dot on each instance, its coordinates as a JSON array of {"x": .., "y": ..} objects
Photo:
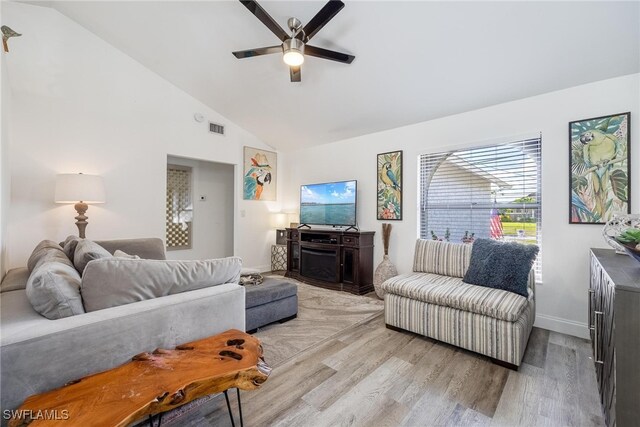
[
  {"x": 240, "y": 54},
  {"x": 325, "y": 15},
  {"x": 296, "y": 75},
  {"x": 265, "y": 18},
  {"x": 332, "y": 55}
]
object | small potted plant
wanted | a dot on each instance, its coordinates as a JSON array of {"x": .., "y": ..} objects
[
  {"x": 630, "y": 240},
  {"x": 468, "y": 238}
]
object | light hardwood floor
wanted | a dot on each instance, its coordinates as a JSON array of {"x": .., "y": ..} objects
[{"x": 367, "y": 375}]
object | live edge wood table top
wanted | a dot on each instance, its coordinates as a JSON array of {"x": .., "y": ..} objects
[{"x": 152, "y": 383}]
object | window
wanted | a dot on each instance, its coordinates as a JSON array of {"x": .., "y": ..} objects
[
  {"x": 490, "y": 192},
  {"x": 179, "y": 207}
]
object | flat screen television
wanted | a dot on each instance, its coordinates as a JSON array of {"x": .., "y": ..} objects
[{"x": 329, "y": 203}]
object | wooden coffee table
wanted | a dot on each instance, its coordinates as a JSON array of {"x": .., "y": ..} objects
[{"x": 152, "y": 383}]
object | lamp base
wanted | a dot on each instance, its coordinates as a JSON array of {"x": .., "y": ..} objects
[{"x": 81, "y": 219}]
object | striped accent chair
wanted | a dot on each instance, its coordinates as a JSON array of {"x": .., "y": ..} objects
[{"x": 434, "y": 301}]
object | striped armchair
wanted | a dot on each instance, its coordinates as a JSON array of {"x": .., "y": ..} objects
[{"x": 434, "y": 301}]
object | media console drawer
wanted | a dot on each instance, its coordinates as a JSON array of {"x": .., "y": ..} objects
[{"x": 350, "y": 240}]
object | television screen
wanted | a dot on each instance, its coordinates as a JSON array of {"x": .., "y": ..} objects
[{"x": 330, "y": 203}]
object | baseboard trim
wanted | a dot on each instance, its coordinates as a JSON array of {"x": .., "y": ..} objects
[{"x": 564, "y": 326}]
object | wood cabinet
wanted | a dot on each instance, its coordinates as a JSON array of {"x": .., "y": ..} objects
[
  {"x": 341, "y": 260},
  {"x": 614, "y": 325}
]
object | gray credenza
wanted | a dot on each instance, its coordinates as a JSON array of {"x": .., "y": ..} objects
[{"x": 614, "y": 324}]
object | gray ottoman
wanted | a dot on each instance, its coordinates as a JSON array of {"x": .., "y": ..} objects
[{"x": 274, "y": 300}]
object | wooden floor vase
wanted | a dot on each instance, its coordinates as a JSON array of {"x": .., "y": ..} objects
[{"x": 151, "y": 383}]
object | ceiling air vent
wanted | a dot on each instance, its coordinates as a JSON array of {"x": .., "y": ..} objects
[{"x": 216, "y": 128}]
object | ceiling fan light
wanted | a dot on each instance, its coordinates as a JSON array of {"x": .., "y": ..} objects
[
  {"x": 293, "y": 58},
  {"x": 293, "y": 50}
]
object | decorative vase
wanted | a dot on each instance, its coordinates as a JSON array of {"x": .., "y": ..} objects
[{"x": 386, "y": 269}]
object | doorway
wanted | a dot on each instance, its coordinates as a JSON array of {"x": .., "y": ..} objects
[{"x": 201, "y": 213}]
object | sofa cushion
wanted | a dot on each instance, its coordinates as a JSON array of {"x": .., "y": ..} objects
[
  {"x": 88, "y": 250},
  {"x": 53, "y": 290},
  {"x": 448, "y": 259},
  {"x": 69, "y": 246},
  {"x": 145, "y": 248},
  {"x": 112, "y": 282},
  {"x": 121, "y": 254},
  {"x": 501, "y": 265},
  {"x": 15, "y": 279},
  {"x": 47, "y": 251},
  {"x": 453, "y": 292}
]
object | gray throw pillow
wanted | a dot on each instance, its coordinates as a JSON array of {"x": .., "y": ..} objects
[
  {"x": 15, "y": 279},
  {"x": 122, "y": 254},
  {"x": 117, "y": 281},
  {"x": 88, "y": 250},
  {"x": 501, "y": 265},
  {"x": 53, "y": 289},
  {"x": 69, "y": 246},
  {"x": 47, "y": 251}
]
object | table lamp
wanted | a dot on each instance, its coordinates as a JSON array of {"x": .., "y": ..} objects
[
  {"x": 80, "y": 189},
  {"x": 279, "y": 220}
]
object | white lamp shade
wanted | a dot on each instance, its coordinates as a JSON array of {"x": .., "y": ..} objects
[
  {"x": 78, "y": 187},
  {"x": 279, "y": 220},
  {"x": 292, "y": 218}
]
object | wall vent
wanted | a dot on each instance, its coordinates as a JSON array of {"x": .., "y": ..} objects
[{"x": 216, "y": 128}]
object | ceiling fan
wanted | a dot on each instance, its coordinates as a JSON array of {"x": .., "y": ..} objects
[{"x": 294, "y": 46}]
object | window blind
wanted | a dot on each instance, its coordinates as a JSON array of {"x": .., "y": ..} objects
[{"x": 484, "y": 192}]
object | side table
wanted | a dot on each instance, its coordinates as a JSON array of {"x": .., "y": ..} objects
[
  {"x": 151, "y": 384},
  {"x": 278, "y": 257}
]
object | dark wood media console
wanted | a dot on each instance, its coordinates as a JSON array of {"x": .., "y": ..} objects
[{"x": 340, "y": 260}]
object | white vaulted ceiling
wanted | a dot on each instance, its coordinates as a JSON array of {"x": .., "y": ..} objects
[{"x": 415, "y": 61}]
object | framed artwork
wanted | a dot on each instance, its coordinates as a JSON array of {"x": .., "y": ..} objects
[
  {"x": 389, "y": 186},
  {"x": 599, "y": 168},
  {"x": 260, "y": 174}
]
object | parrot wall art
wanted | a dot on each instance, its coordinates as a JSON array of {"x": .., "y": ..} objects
[
  {"x": 390, "y": 185},
  {"x": 599, "y": 168},
  {"x": 259, "y": 174}
]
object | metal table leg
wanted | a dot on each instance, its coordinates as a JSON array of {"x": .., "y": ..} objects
[
  {"x": 240, "y": 408},
  {"x": 226, "y": 396},
  {"x": 152, "y": 418}
]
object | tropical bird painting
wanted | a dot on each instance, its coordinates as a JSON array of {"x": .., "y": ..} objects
[
  {"x": 599, "y": 168},
  {"x": 259, "y": 174},
  {"x": 390, "y": 185}
]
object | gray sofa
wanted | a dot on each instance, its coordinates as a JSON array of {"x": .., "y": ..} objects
[{"x": 38, "y": 354}]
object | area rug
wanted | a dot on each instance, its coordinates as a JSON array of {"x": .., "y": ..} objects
[{"x": 322, "y": 314}]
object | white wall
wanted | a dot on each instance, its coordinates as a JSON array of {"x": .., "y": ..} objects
[
  {"x": 562, "y": 299},
  {"x": 212, "y": 233},
  {"x": 80, "y": 105},
  {"x": 5, "y": 175}
]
